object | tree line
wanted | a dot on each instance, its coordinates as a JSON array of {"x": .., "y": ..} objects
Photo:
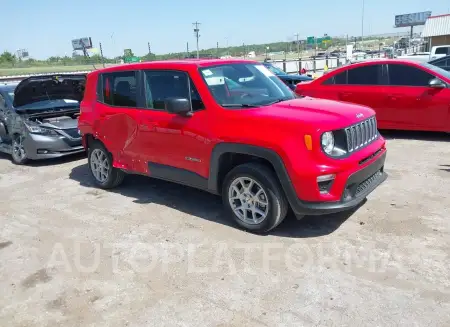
[{"x": 10, "y": 60}]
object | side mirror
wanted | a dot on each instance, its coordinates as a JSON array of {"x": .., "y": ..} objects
[
  {"x": 179, "y": 106},
  {"x": 437, "y": 84}
]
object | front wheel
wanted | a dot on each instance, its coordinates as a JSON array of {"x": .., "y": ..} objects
[
  {"x": 101, "y": 168},
  {"x": 18, "y": 153},
  {"x": 253, "y": 196}
]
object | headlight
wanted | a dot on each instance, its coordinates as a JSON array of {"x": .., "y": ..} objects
[
  {"x": 327, "y": 142},
  {"x": 40, "y": 130}
]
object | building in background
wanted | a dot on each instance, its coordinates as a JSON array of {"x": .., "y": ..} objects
[{"x": 437, "y": 30}]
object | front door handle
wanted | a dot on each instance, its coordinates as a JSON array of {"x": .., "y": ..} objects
[{"x": 393, "y": 97}]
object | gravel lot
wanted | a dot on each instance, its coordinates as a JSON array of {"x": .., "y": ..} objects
[{"x": 153, "y": 253}]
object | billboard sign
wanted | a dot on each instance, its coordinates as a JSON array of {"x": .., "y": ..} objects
[
  {"x": 414, "y": 19},
  {"x": 22, "y": 53},
  {"x": 84, "y": 42},
  {"x": 319, "y": 40},
  {"x": 131, "y": 59}
]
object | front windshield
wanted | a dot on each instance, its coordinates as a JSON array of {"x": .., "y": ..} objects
[
  {"x": 437, "y": 69},
  {"x": 245, "y": 85},
  {"x": 275, "y": 70}
]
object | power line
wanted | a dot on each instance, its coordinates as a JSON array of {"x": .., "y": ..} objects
[{"x": 197, "y": 35}]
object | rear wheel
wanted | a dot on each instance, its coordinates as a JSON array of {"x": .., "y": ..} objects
[
  {"x": 101, "y": 168},
  {"x": 253, "y": 196},
  {"x": 18, "y": 153}
]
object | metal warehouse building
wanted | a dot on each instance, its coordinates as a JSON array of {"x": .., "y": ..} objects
[{"x": 437, "y": 30}]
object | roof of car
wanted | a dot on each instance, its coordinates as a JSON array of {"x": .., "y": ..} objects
[
  {"x": 174, "y": 64},
  {"x": 383, "y": 61}
]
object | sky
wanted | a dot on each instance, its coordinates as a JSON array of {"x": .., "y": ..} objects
[{"x": 46, "y": 27}]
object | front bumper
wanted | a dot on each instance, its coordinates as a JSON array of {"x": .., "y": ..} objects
[
  {"x": 358, "y": 186},
  {"x": 45, "y": 147}
]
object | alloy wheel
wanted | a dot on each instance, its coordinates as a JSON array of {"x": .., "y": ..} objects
[
  {"x": 18, "y": 148},
  {"x": 100, "y": 166},
  {"x": 248, "y": 200}
]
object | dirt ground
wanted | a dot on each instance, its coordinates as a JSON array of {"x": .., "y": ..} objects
[{"x": 153, "y": 253}]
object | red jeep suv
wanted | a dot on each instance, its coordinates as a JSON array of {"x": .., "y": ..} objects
[{"x": 232, "y": 128}]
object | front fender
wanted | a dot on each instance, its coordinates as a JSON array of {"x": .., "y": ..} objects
[{"x": 260, "y": 152}]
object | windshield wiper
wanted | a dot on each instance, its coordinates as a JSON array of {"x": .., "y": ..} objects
[
  {"x": 239, "y": 105},
  {"x": 276, "y": 101}
]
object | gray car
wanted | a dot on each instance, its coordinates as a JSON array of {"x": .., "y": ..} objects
[{"x": 38, "y": 117}]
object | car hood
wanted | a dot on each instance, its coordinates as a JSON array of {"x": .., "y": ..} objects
[
  {"x": 317, "y": 112},
  {"x": 49, "y": 87},
  {"x": 295, "y": 77}
]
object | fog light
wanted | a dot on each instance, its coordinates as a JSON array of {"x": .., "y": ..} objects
[
  {"x": 42, "y": 151},
  {"x": 324, "y": 183},
  {"x": 325, "y": 178}
]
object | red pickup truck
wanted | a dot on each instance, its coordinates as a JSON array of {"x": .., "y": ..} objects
[{"x": 232, "y": 128}]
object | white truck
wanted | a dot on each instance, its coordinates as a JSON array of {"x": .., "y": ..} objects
[{"x": 437, "y": 51}]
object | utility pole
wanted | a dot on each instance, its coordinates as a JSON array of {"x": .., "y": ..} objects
[
  {"x": 362, "y": 24},
  {"x": 217, "y": 50},
  {"x": 243, "y": 46},
  {"x": 187, "y": 49},
  {"x": 101, "y": 54},
  {"x": 197, "y": 35},
  {"x": 298, "y": 45},
  {"x": 149, "y": 51}
]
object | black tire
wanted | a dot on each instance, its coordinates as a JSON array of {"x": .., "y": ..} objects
[
  {"x": 277, "y": 203},
  {"x": 18, "y": 158},
  {"x": 115, "y": 176}
]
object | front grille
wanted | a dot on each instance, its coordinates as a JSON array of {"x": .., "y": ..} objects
[
  {"x": 361, "y": 134},
  {"x": 366, "y": 183},
  {"x": 72, "y": 132}
]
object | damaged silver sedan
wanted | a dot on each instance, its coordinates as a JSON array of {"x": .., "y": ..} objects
[{"x": 38, "y": 117}]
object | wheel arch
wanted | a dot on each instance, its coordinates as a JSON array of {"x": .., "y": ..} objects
[
  {"x": 3, "y": 129},
  {"x": 219, "y": 167}
]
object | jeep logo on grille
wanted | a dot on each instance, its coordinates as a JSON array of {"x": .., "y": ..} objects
[{"x": 360, "y": 115}]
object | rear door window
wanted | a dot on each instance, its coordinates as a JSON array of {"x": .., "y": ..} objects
[
  {"x": 120, "y": 89},
  {"x": 405, "y": 75},
  {"x": 365, "y": 75},
  {"x": 443, "y": 50},
  {"x": 442, "y": 63}
]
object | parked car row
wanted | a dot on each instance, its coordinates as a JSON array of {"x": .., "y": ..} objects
[
  {"x": 291, "y": 80},
  {"x": 39, "y": 117},
  {"x": 228, "y": 127},
  {"x": 406, "y": 95}
]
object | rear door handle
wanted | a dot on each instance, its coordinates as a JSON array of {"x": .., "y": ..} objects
[
  {"x": 105, "y": 114},
  {"x": 344, "y": 94}
]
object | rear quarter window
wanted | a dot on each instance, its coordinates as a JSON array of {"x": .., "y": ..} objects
[{"x": 339, "y": 79}]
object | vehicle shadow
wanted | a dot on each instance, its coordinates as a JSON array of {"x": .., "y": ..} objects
[
  {"x": 313, "y": 226},
  {"x": 205, "y": 205},
  {"x": 415, "y": 135},
  {"x": 47, "y": 162},
  {"x": 445, "y": 168}
]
